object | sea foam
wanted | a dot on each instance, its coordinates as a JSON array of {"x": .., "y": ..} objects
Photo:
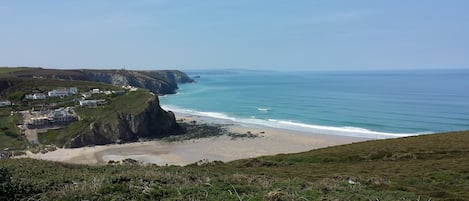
[{"x": 291, "y": 125}]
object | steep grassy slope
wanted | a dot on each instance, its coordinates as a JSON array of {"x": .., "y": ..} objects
[
  {"x": 427, "y": 167},
  {"x": 125, "y": 117}
]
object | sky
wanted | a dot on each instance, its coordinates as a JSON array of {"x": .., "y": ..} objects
[{"x": 251, "y": 34}]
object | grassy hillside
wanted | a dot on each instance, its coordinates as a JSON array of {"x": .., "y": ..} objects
[
  {"x": 131, "y": 103},
  {"x": 426, "y": 167},
  {"x": 9, "y": 134},
  {"x": 15, "y": 89}
]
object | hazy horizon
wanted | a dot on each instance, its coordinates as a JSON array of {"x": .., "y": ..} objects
[{"x": 220, "y": 34}]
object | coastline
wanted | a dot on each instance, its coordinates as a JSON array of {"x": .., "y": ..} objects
[{"x": 269, "y": 141}]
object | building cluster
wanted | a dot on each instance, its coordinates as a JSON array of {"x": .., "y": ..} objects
[
  {"x": 50, "y": 117},
  {"x": 54, "y": 93},
  {"x": 130, "y": 88}
]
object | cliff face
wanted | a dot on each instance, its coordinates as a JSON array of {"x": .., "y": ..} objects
[
  {"x": 153, "y": 122},
  {"x": 157, "y": 81}
]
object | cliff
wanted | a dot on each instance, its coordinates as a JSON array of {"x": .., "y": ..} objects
[
  {"x": 125, "y": 118},
  {"x": 152, "y": 122},
  {"x": 157, "y": 81}
]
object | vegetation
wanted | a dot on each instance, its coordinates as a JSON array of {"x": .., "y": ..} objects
[
  {"x": 15, "y": 89},
  {"x": 429, "y": 167},
  {"x": 4, "y": 70},
  {"x": 130, "y": 103},
  {"x": 10, "y": 137}
]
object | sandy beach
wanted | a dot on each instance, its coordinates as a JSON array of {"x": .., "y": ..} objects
[{"x": 270, "y": 141}]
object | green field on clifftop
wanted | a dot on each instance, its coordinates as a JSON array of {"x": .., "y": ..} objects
[
  {"x": 427, "y": 167},
  {"x": 129, "y": 103}
]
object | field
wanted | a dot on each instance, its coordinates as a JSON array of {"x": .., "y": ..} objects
[{"x": 428, "y": 167}]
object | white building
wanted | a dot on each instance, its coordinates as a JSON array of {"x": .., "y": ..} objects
[
  {"x": 58, "y": 93},
  {"x": 72, "y": 90},
  {"x": 4, "y": 103},
  {"x": 63, "y": 92},
  {"x": 92, "y": 103},
  {"x": 95, "y": 91},
  {"x": 36, "y": 96},
  {"x": 86, "y": 95}
]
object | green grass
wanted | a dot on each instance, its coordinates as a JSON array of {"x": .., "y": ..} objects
[
  {"x": 4, "y": 70},
  {"x": 9, "y": 133},
  {"x": 28, "y": 85},
  {"x": 415, "y": 168},
  {"x": 130, "y": 103}
]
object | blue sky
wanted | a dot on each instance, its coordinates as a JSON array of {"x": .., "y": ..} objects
[{"x": 254, "y": 34}]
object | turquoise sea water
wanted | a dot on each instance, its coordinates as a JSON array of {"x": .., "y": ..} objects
[{"x": 367, "y": 104}]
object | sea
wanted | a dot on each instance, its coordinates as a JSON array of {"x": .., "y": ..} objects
[{"x": 370, "y": 104}]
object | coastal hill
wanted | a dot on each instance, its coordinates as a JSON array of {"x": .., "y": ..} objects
[
  {"x": 157, "y": 81},
  {"x": 426, "y": 167},
  {"x": 116, "y": 115}
]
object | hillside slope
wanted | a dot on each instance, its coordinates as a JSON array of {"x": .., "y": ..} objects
[
  {"x": 428, "y": 167},
  {"x": 125, "y": 117},
  {"x": 157, "y": 81}
]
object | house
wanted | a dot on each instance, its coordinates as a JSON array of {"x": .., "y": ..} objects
[
  {"x": 63, "y": 92},
  {"x": 61, "y": 115},
  {"x": 92, "y": 103},
  {"x": 95, "y": 91},
  {"x": 130, "y": 88},
  {"x": 72, "y": 90},
  {"x": 86, "y": 95},
  {"x": 88, "y": 103},
  {"x": 50, "y": 117},
  {"x": 35, "y": 96},
  {"x": 58, "y": 93},
  {"x": 4, "y": 103}
]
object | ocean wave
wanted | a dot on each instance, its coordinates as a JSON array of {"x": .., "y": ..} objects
[{"x": 296, "y": 126}]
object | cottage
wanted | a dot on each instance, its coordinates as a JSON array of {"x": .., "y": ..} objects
[
  {"x": 86, "y": 95},
  {"x": 36, "y": 96},
  {"x": 61, "y": 115},
  {"x": 4, "y": 103},
  {"x": 58, "y": 93},
  {"x": 88, "y": 103},
  {"x": 95, "y": 91},
  {"x": 63, "y": 92},
  {"x": 92, "y": 103},
  {"x": 72, "y": 90}
]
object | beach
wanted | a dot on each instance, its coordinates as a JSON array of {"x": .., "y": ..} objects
[{"x": 268, "y": 141}]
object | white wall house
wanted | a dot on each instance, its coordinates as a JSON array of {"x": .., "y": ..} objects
[
  {"x": 58, "y": 93},
  {"x": 35, "y": 96},
  {"x": 95, "y": 91},
  {"x": 4, "y": 103},
  {"x": 62, "y": 92},
  {"x": 92, "y": 103},
  {"x": 72, "y": 90}
]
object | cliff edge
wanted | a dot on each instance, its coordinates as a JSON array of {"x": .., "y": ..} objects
[{"x": 120, "y": 127}]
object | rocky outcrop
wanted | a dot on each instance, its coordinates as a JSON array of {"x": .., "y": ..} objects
[{"x": 153, "y": 122}]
